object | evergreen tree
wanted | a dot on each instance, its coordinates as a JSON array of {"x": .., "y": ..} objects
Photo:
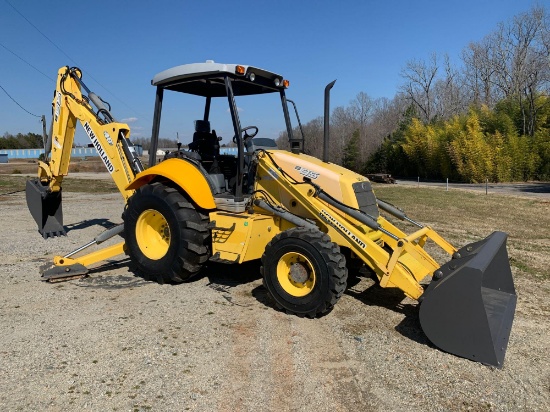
[{"x": 350, "y": 159}]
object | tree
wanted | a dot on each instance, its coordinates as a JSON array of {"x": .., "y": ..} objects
[
  {"x": 511, "y": 63},
  {"x": 350, "y": 159},
  {"x": 419, "y": 79},
  {"x": 448, "y": 96}
]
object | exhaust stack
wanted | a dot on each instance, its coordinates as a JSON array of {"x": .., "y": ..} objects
[{"x": 327, "y": 120}]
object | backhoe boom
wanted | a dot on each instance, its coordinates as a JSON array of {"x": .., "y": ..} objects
[{"x": 109, "y": 138}]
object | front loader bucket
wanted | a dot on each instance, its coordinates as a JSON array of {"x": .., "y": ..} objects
[
  {"x": 469, "y": 306},
  {"x": 45, "y": 208}
]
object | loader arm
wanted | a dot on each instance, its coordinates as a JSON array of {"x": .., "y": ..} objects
[
  {"x": 109, "y": 138},
  {"x": 403, "y": 265},
  {"x": 468, "y": 307}
]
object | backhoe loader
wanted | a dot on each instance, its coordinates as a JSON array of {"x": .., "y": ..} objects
[{"x": 300, "y": 215}]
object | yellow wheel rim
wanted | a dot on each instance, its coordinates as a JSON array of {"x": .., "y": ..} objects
[
  {"x": 296, "y": 274},
  {"x": 152, "y": 234}
]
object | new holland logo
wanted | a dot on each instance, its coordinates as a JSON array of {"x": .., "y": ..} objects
[
  {"x": 99, "y": 148},
  {"x": 333, "y": 222}
]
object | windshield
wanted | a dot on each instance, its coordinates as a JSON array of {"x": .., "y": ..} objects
[{"x": 180, "y": 111}]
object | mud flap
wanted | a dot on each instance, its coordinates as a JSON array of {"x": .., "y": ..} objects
[
  {"x": 469, "y": 306},
  {"x": 45, "y": 208}
]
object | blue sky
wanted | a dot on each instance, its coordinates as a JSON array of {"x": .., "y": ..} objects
[{"x": 123, "y": 44}]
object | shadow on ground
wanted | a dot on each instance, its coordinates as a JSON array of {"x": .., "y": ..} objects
[
  {"x": 96, "y": 280},
  {"x": 391, "y": 299},
  {"x": 104, "y": 223}
]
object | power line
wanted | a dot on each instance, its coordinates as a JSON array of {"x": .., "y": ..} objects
[
  {"x": 66, "y": 55},
  {"x": 15, "y": 101},
  {"x": 24, "y": 61},
  {"x": 38, "y": 30}
]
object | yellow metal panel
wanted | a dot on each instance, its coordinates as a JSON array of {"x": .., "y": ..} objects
[
  {"x": 185, "y": 175},
  {"x": 263, "y": 229},
  {"x": 335, "y": 180},
  {"x": 242, "y": 237}
]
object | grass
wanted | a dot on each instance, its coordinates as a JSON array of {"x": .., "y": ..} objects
[
  {"x": 12, "y": 183},
  {"x": 462, "y": 217},
  {"x": 459, "y": 216}
]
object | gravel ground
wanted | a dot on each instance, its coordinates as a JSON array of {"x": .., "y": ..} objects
[{"x": 113, "y": 341}]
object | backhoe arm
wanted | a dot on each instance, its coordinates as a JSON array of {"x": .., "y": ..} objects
[{"x": 110, "y": 139}]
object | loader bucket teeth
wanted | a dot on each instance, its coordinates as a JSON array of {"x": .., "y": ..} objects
[
  {"x": 469, "y": 306},
  {"x": 45, "y": 208}
]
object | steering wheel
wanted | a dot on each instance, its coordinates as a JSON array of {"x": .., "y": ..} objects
[
  {"x": 246, "y": 135},
  {"x": 250, "y": 136}
]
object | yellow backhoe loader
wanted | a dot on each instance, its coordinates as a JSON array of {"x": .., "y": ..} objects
[{"x": 300, "y": 215}]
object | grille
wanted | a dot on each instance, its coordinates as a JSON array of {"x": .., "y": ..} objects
[{"x": 365, "y": 198}]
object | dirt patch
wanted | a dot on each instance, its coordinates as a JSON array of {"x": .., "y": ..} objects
[{"x": 113, "y": 341}]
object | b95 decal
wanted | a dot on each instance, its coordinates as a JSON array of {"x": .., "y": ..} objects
[{"x": 306, "y": 172}]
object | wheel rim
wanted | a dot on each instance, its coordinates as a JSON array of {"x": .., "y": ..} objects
[
  {"x": 153, "y": 234},
  {"x": 296, "y": 274}
]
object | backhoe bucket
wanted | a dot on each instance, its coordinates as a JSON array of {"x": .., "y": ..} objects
[
  {"x": 469, "y": 306},
  {"x": 45, "y": 208}
]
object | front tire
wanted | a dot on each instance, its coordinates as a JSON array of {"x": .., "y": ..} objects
[
  {"x": 166, "y": 237},
  {"x": 304, "y": 271}
]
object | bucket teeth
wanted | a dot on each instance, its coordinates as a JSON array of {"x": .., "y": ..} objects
[{"x": 58, "y": 233}]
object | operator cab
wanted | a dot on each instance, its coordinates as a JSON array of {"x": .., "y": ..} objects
[{"x": 230, "y": 177}]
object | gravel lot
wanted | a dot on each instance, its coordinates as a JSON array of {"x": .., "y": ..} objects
[{"x": 113, "y": 341}]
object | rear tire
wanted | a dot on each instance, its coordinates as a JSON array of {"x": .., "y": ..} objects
[
  {"x": 304, "y": 271},
  {"x": 166, "y": 237}
]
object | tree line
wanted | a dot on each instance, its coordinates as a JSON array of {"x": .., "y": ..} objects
[
  {"x": 21, "y": 141},
  {"x": 488, "y": 117}
]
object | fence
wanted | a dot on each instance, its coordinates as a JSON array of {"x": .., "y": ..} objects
[{"x": 76, "y": 152}]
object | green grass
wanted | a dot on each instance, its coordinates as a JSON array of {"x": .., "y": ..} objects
[
  {"x": 462, "y": 217},
  {"x": 10, "y": 183}
]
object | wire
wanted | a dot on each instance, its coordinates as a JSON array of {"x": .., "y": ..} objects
[
  {"x": 24, "y": 61},
  {"x": 15, "y": 101},
  {"x": 68, "y": 57},
  {"x": 38, "y": 30},
  {"x": 266, "y": 197}
]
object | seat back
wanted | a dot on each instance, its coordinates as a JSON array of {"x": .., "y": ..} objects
[{"x": 205, "y": 142}]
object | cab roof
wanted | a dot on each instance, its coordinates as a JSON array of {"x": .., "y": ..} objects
[{"x": 208, "y": 79}]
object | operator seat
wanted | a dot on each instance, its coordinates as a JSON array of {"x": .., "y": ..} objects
[
  {"x": 206, "y": 146},
  {"x": 205, "y": 142}
]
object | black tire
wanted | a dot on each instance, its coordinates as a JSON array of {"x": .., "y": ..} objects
[
  {"x": 185, "y": 246},
  {"x": 310, "y": 253}
]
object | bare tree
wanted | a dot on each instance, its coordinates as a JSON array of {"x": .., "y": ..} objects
[
  {"x": 419, "y": 78},
  {"x": 478, "y": 72},
  {"x": 448, "y": 96},
  {"x": 512, "y": 63}
]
